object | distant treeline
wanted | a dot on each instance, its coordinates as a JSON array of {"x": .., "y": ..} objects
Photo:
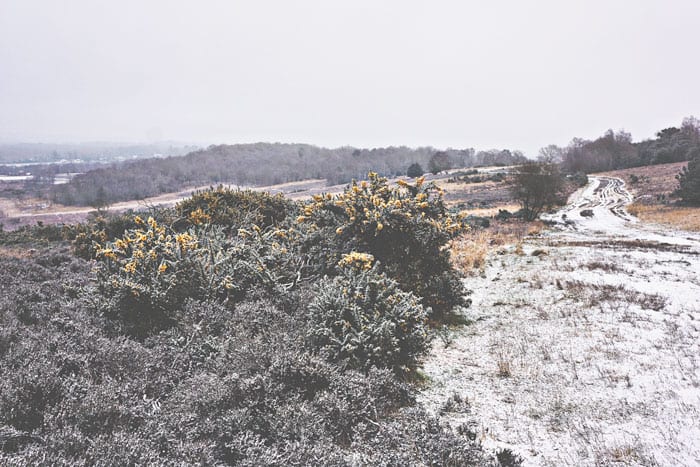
[
  {"x": 47, "y": 152},
  {"x": 260, "y": 164},
  {"x": 615, "y": 150}
]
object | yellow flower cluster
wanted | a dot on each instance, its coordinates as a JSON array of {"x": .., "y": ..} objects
[
  {"x": 107, "y": 253},
  {"x": 372, "y": 206},
  {"x": 147, "y": 250},
  {"x": 357, "y": 260},
  {"x": 199, "y": 217}
]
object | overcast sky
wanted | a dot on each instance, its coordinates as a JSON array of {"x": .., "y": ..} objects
[{"x": 485, "y": 74}]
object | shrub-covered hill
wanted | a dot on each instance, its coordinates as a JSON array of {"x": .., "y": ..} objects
[
  {"x": 259, "y": 164},
  {"x": 235, "y": 329}
]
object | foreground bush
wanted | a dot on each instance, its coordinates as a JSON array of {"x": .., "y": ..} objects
[
  {"x": 361, "y": 319},
  {"x": 405, "y": 228},
  {"x": 228, "y": 384},
  {"x": 223, "y": 344},
  {"x": 148, "y": 273}
]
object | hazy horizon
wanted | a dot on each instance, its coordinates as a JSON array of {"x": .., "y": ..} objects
[{"x": 441, "y": 74}]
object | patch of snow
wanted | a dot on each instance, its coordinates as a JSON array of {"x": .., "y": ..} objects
[{"x": 589, "y": 354}]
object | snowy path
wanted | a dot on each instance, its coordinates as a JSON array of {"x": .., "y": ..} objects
[{"x": 584, "y": 348}]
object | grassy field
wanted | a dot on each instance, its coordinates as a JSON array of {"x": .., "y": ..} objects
[{"x": 686, "y": 218}]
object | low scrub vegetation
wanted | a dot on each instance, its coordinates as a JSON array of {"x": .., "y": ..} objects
[
  {"x": 234, "y": 329},
  {"x": 595, "y": 294}
]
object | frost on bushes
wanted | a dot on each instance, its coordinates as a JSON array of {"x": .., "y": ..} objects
[
  {"x": 234, "y": 382},
  {"x": 99, "y": 229},
  {"x": 405, "y": 228},
  {"x": 150, "y": 271},
  {"x": 235, "y": 208},
  {"x": 362, "y": 319}
]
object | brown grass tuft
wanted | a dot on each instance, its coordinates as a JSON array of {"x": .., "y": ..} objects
[{"x": 469, "y": 251}]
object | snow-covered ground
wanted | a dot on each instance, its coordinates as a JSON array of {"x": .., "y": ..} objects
[{"x": 585, "y": 343}]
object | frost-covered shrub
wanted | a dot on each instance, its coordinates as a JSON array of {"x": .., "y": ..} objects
[
  {"x": 405, "y": 228},
  {"x": 250, "y": 260},
  {"x": 413, "y": 437},
  {"x": 27, "y": 392},
  {"x": 235, "y": 208},
  {"x": 229, "y": 383},
  {"x": 148, "y": 273},
  {"x": 100, "y": 228},
  {"x": 362, "y": 319}
]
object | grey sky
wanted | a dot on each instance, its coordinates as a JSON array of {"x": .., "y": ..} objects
[{"x": 517, "y": 74}]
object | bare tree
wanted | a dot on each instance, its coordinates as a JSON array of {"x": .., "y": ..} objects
[
  {"x": 537, "y": 186},
  {"x": 551, "y": 154}
]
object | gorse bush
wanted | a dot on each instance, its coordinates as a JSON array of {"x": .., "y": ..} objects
[
  {"x": 251, "y": 259},
  {"x": 98, "y": 229},
  {"x": 254, "y": 238},
  {"x": 405, "y": 228},
  {"x": 148, "y": 273},
  {"x": 235, "y": 208},
  {"x": 361, "y": 319}
]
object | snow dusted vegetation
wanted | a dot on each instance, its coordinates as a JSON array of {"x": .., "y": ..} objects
[{"x": 584, "y": 342}]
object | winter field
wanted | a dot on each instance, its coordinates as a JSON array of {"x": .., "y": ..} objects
[{"x": 584, "y": 342}]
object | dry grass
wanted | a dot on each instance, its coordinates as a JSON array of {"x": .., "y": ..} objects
[
  {"x": 504, "y": 365},
  {"x": 469, "y": 250},
  {"x": 487, "y": 194},
  {"x": 16, "y": 252},
  {"x": 490, "y": 211},
  {"x": 685, "y": 218}
]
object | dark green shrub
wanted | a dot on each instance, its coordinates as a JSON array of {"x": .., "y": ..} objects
[
  {"x": 689, "y": 183},
  {"x": 361, "y": 319},
  {"x": 414, "y": 170},
  {"x": 580, "y": 179}
]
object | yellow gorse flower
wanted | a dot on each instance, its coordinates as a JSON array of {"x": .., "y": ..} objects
[
  {"x": 198, "y": 217},
  {"x": 130, "y": 267},
  {"x": 359, "y": 260}
]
